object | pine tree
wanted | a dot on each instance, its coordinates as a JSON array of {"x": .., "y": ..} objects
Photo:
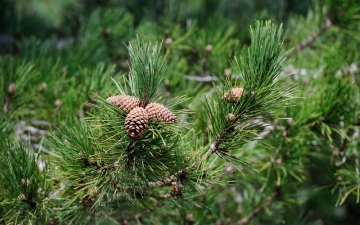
[{"x": 191, "y": 121}]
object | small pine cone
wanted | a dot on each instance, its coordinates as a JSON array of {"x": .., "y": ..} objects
[
  {"x": 231, "y": 117},
  {"x": 209, "y": 48},
  {"x": 11, "y": 88},
  {"x": 124, "y": 102},
  {"x": 168, "y": 41},
  {"x": 233, "y": 95},
  {"x": 136, "y": 122},
  {"x": 160, "y": 112}
]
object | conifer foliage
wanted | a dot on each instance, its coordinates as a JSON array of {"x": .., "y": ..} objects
[
  {"x": 101, "y": 123},
  {"x": 130, "y": 146}
]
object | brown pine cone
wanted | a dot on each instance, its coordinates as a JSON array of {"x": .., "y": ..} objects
[
  {"x": 160, "y": 112},
  {"x": 231, "y": 117},
  {"x": 124, "y": 102},
  {"x": 136, "y": 122},
  {"x": 233, "y": 95}
]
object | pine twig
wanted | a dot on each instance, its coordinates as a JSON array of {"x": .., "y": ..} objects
[
  {"x": 11, "y": 91},
  {"x": 269, "y": 199},
  {"x": 311, "y": 39},
  {"x": 222, "y": 134},
  {"x": 256, "y": 210},
  {"x": 215, "y": 145},
  {"x": 205, "y": 79},
  {"x": 343, "y": 145},
  {"x": 163, "y": 183},
  {"x": 161, "y": 197},
  {"x": 7, "y": 103},
  {"x": 158, "y": 197},
  {"x": 169, "y": 181}
]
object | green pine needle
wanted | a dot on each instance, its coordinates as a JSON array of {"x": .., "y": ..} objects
[{"x": 147, "y": 69}]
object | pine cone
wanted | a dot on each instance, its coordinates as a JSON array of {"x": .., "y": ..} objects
[
  {"x": 124, "y": 102},
  {"x": 136, "y": 122},
  {"x": 160, "y": 112},
  {"x": 233, "y": 95},
  {"x": 231, "y": 117}
]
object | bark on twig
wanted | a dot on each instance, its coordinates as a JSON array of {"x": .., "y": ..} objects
[
  {"x": 206, "y": 78},
  {"x": 256, "y": 210},
  {"x": 215, "y": 145},
  {"x": 7, "y": 103},
  {"x": 311, "y": 39},
  {"x": 161, "y": 197},
  {"x": 169, "y": 181}
]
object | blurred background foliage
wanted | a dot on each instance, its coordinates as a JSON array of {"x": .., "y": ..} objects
[
  {"x": 61, "y": 54},
  {"x": 41, "y": 18}
]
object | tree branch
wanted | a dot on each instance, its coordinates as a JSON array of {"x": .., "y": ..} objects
[
  {"x": 161, "y": 197},
  {"x": 11, "y": 91},
  {"x": 206, "y": 78},
  {"x": 215, "y": 145},
  {"x": 221, "y": 135},
  {"x": 170, "y": 181},
  {"x": 311, "y": 39},
  {"x": 7, "y": 103},
  {"x": 256, "y": 210}
]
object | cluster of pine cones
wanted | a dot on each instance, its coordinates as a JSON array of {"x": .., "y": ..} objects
[{"x": 137, "y": 120}]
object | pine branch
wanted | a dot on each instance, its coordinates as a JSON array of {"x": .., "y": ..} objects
[
  {"x": 256, "y": 210},
  {"x": 312, "y": 38},
  {"x": 161, "y": 197},
  {"x": 215, "y": 145},
  {"x": 7, "y": 103},
  {"x": 206, "y": 78},
  {"x": 263, "y": 91},
  {"x": 11, "y": 91},
  {"x": 169, "y": 181}
]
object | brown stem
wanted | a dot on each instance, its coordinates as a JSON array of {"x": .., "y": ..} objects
[
  {"x": 174, "y": 181},
  {"x": 161, "y": 197},
  {"x": 311, "y": 39},
  {"x": 215, "y": 145},
  {"x": 343, "y": 145},
  {"x": 205, "y": 78},
  {"x": 269, "y": 199},
  {"x": 158, "y": 197},
  {"x": 256, "y": 210},
  {"x": 169, "y": 181},
  {"x": 7, "y": 103}
]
